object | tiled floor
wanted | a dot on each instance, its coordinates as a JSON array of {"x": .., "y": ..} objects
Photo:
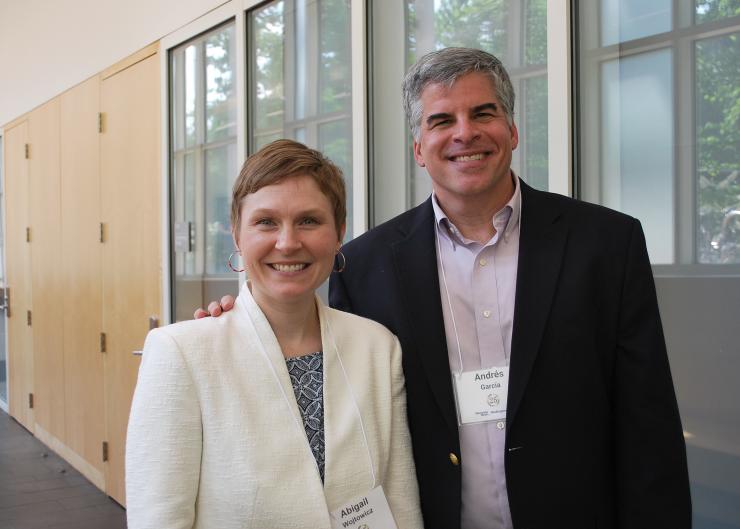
[{"x": 39, "y": 490}]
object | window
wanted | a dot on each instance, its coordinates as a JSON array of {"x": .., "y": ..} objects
[
  {"x": 514, "y": 30},
  {"x": 660, "y": 122},
  {"x": 300, "y": 79},
  {"x": 203, "y": 168}
]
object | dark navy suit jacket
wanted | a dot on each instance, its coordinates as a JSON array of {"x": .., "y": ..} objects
[{"x": 593, "y": 434}]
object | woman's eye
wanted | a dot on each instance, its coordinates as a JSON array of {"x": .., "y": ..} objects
[
  {"x": 265, "y": 222},
  {"x": 310, "y": 220}
]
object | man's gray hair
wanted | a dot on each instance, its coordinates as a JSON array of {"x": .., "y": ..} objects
[{"x": 446, "y": 66}]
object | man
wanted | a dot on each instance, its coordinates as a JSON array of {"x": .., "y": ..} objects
[{"x": 538, "y": 386}]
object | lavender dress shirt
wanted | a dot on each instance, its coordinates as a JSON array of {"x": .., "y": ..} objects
[{"x": 481, "y": 281}]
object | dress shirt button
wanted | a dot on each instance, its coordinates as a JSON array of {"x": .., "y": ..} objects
[
  {"x": 501, "y": 425},
  {"x": 453, "y": 459},
  {"x": 486, "y": 313},
  {"x": 483, "y": 262}
]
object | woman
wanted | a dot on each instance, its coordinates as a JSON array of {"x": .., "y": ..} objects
[{"x": 283, "y": 412}]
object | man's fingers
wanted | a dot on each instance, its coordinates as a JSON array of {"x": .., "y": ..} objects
[
  {"x": 214, "y": 309},
  {"x": 227, "y": 302},
  {"x": 200, "y": 313}
]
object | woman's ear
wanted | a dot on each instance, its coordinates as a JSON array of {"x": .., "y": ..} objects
[{"x": 342, "y": 231}]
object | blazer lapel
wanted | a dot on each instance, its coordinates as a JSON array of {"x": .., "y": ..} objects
[
  {"x": 541, "y": 246},
  {"x": 415, "y": 259},
  {"x": 264, "y": 339}
]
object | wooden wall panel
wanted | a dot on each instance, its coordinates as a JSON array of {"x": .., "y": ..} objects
[
  {"x": 131, "y": 205},
  {"x": 81, "y": 275},
  {"x": 18, "y": 274},
  {"x": 46, "y": 250}
]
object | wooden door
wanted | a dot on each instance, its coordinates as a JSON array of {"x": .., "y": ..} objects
[
  {"x": 18, "y": 275},
  {"x": 48, "y": 294},
  {"x": 80, "y": 262},
  {"x": 131, "y": 210}
]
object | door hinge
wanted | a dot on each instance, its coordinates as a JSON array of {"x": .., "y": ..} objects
[
  {"x": 5, "y": 300},
  {"x": 28, "y": 234},
  {"x": 102, "y": 343},
  {"x": 105, "y": 451},
  {"x": 102, "y": 232},
  {"x": 28, "y": 318},
  {"x": 100, "y": 122},
  {"x": 30, "y": 400},
  {"x": 27, "y": 151}
]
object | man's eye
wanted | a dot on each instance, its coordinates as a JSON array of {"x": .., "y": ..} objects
[
  {"x": 441, "y": 122},
  {"x": 265, "y": 222}
]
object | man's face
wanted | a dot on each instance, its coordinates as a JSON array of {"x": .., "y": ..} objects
[{"x": 465, "y": 142}]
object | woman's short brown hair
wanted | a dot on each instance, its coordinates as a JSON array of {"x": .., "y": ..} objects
[{"x": 283, "y": 159}]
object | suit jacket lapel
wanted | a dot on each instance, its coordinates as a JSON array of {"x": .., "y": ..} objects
[
  {"x": 541, "y": 247},
  {"x": 415, "y": 259}
]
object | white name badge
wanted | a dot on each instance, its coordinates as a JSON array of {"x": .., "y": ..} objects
[
  {"x": 481, "y": 395},
  {"x": 368, "y": 511}
]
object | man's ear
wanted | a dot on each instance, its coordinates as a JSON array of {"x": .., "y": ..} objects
[
  {"x": 514, "y": 136},
  {"x": 417, "y": 154}
]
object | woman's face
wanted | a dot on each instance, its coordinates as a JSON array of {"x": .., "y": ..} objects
[{"x": 288, "y": 240}]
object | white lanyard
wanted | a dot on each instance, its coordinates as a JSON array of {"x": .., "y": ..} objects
[
  {"x": 449, "y": 301},
  {"x": 301, "y": 430}
]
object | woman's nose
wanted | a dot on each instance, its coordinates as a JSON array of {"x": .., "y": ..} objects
[{"x": 288, "y": 239}]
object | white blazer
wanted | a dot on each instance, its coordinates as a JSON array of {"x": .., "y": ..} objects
[{"x": 216, "y": 439}]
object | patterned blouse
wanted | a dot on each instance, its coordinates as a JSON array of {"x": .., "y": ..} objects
[{"x": 306, "y": 375}]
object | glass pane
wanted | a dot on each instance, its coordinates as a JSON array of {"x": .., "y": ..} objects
[
  {"x": 190, "y": 95},
  {"x": 335, "y": 140},
  {"x": 263, "y": 139},
  {"x": 535, "y": 51},
  {"x": 185, "y": 211},
  {"x": 335, "y": 69},
  {"x": 267, "y": 67},
  {"x": 637, "y": 145},
  {"x": 535, "y": 105},
  {"x": 623, "y": 20},
  {"x": 219, "y": 177},
  {"x": 220, "y": 85},
  {"x": 718, "y": 149},
  {"x": 466, "y": 23},
  {"x": 708, "y": 10}
]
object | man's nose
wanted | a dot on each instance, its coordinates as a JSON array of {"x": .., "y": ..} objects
[{"x": 466, "y": 131}]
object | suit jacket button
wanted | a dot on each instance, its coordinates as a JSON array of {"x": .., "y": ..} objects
[{"x": 453, "y": 459}]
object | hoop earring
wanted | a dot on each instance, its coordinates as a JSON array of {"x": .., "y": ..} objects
[
  {"x": 228, "y": 262},
  {"x": 344, "y": 262}
]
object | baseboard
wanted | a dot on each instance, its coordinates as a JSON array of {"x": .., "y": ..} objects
[{"x": 86, "y": 469}]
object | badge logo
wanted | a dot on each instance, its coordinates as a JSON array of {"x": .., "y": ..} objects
[{"x": 493, "y": 400}]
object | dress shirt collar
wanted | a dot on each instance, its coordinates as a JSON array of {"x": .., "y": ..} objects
[{"x": 505, "y": 220}]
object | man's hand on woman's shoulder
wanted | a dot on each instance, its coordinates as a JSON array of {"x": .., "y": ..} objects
[{"x": 215, "y": 308}]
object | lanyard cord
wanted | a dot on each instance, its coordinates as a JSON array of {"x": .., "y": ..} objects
[
  {"x": 354, "y": 401},
  {"x": 447, "y": 292}
]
